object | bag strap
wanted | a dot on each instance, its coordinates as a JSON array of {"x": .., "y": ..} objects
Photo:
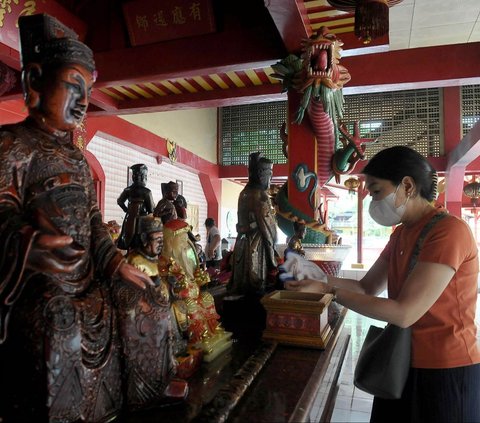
[{"x": 425, "y": 230}]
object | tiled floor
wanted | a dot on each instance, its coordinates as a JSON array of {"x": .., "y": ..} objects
[{"x": 353, "y": 405}]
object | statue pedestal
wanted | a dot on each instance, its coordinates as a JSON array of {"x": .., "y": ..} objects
[{"x": 214, "y": 345}]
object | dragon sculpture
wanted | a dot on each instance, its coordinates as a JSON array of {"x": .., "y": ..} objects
[{"x": 320, "y": 77}]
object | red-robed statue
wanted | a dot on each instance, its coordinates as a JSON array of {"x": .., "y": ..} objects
[{"x": 60, "y": 355}]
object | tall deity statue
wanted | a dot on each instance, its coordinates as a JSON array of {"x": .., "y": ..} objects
[
  {"x": 254, "y": 255},
  {"x": 60, "y": 353},
  {"x": 139, "y": 203}
]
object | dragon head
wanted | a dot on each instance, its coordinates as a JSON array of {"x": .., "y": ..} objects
[{"x": 321, "y": 55}]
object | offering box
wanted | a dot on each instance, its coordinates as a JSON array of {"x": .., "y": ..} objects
[{"x": 297, "y": 318}]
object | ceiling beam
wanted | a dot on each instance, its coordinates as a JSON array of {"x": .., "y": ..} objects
[
  {"x": 291, "y": 20},
  {"x": 425, "y": 67},
  {"x": 233, "y": 50},
  {"x": 208, "y": 99}
]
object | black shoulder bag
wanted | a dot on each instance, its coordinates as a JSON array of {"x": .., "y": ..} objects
[{"x": 384, "y": 361}]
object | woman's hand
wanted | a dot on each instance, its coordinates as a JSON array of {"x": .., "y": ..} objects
[
  {"x": 134, "y": 276},
  {"x": 309, "y": 285}
]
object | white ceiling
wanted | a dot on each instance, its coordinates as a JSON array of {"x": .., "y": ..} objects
[{"x": 424, "y": 23}]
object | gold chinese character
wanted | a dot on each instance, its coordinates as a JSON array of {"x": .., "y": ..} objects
[
  {"x": 195, "y": 11},
  {"x": 5, "y": 7},
  {"x": 142, "y": 22},
  {"x": 159, "y": 19},
  {"x": 29, "y": 8},
  {"x": 177, "y": 15}
]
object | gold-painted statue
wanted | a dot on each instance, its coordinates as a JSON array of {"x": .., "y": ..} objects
[{"x": 180, "y": 262}]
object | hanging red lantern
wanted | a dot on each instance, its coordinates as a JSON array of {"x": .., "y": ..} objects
[
  {"x": 371, "y": 16},
  {"x": 472, "y": 191}
]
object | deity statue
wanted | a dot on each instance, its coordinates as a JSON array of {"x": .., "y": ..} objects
[
  {"x": 294, "y": 243},
  {"x": 146, "y": 327},
  {"x": 254, "y": 255},
  {"x": 180, "y": 262},
  {"x": 165, "y": 208},
  {"x": 139, "y": 203},
  {"x": 60, "y": 353},
  {"x": 180, "y": 204}
]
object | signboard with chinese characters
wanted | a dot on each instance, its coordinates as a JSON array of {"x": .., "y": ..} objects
[
  {"x": 10, "y": 10},
  {"x": 151, "y": 21}
]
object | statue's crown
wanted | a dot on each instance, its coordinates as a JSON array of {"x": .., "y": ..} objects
[{"x": 45, "y": 40}]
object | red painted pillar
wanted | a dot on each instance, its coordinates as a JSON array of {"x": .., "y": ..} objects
[
  {"x": 212, "y": 188},
  {"x": 302, "y": 149},
  {"x": 452, "y": 134}
]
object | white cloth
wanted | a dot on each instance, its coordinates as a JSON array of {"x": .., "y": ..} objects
[{"x": 298, "y": 268}]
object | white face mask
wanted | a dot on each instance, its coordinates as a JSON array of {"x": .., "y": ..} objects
[{"x": 384, "y": 211}]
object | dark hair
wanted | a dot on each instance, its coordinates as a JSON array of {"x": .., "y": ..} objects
[
  {"x": 394, "y": 163},
  {"x": 209, "y": 222}
]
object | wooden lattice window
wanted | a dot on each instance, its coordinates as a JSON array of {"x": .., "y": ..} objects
[
  {"x": 470, "y": 95},
  {"x": 249, "y": 128},
  {"x": 412, "y": 118}
]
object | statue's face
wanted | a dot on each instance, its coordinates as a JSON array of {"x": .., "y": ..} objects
[
  {"x": 64, "y": 97},
  {"x": 154, "y": 244},
  {"x": 140, "y": 177},
  {"x": 172, "y": 192},
  {"x": 265, "y": 175}
]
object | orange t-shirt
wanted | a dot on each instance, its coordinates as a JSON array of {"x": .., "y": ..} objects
[{"x": 445, "y": 336}]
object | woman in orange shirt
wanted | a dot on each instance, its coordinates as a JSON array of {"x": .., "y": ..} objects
[{"x": 437, "y": 298}]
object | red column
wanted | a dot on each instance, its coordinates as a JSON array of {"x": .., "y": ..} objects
[
  {"x": 302, "y": 149},
  {"x": 452, "y": 134}
]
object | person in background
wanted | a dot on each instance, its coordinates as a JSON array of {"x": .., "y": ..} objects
[
  {"x": 437, "y": 298},
  {"x": 213, "y": 251}
]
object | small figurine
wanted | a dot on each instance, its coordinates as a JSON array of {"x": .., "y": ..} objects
[
  {"x": 254, "y": 255},
  {"x": 114, "y": 229},
  {"x": 165, "y": 208},
  {"x": 139, "y": 203},
  {"x": 294, "y": 244}
]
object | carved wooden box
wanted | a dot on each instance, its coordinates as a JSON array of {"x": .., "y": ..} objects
[{"x": 297, "y": 318}]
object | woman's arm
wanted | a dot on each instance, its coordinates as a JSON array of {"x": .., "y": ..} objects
[
  {"x": 422, "y": 288},
  {"x": 373, "y": 283}
]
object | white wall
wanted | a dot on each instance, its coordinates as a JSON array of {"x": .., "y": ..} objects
[
  {"x": 115, "y": 159},
  {"x": 193, "y": 130}
]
